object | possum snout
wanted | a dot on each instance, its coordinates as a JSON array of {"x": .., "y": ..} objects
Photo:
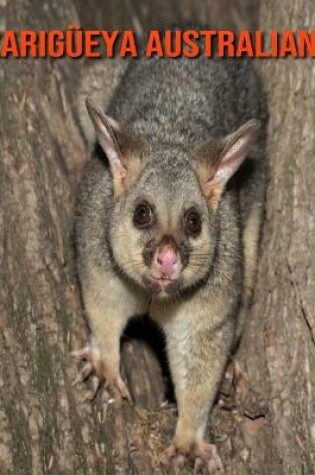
[{"x": 167, "y": 261}]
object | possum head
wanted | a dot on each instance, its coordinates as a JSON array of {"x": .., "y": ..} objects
[{"x": 163, "y": 230}]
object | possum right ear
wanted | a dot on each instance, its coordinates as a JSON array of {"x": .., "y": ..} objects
[
  {"x": 117, "y": 146},
  {"x": 219, "y": 160}
]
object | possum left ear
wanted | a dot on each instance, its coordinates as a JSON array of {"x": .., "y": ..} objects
[
  {"x": 219, "y": 161},
  {"x": 124, "y": 151},
  {"x": 104, "y": 128}
]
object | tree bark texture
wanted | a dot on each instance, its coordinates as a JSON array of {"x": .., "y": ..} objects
[
  {"x": 46, "y": 426},
  {"x": 279, "y": 345}
]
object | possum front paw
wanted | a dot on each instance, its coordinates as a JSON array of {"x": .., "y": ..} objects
[
  {"x": 104, "y": 378},
  {"x": 202, "y": 456}
]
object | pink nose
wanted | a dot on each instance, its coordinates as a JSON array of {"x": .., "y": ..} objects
[{"x": 167, "y": 261}]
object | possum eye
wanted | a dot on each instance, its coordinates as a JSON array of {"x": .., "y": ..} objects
[
  {"x": 143, "y": 216},
  {"x": 192, "y": 222}
]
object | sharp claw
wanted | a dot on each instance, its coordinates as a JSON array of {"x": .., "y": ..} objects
[
  {"x": 82, "y": 354},
  {"x": 198, "y": 466},
  {"x": 105, "y": 397},
  {"x": 211, "y": 458},
  {"x": 168, "y": 454},
  {"x": 125, "y": 394},
  {"x": 96, "y": 383},
  {"x": 179, "y": 464},
  {"x": 84, "y": 373},
  {"x": 215, "y": 467},
  {"x": 76, "y": 381}
]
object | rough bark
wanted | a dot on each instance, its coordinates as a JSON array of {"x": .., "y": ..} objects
[
  {"x": 45, "y": 426},
  {"x": 275, "y": 432},
  {"x": 279, "y": 346}
]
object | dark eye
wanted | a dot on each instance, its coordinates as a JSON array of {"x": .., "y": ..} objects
[
  {"x": 143, "y": 216},
  {"x": 192, "y": 222}
]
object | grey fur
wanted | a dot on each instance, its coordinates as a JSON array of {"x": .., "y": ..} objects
[{"x": 177, "y": 106}]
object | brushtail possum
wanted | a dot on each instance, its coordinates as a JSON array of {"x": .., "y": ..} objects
[{"x": 171, "y": 215}]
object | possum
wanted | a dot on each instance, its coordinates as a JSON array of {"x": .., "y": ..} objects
[{"x": 168, "y": 222}]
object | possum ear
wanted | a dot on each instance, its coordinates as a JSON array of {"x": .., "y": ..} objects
[
  {"x": 104, "y": 128},
  {"x": 222, "y": 159}
]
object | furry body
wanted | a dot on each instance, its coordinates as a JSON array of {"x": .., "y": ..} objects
[{"x": 175, "y": 113}]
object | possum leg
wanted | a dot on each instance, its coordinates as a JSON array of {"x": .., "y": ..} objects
[
  {"x": 197, "y": 350},
  {"x": 109, "y": 304}
]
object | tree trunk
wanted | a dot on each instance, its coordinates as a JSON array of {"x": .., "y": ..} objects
[
  {"x": 45, "y": 424},
  {"x": 279, "y": 344}
]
